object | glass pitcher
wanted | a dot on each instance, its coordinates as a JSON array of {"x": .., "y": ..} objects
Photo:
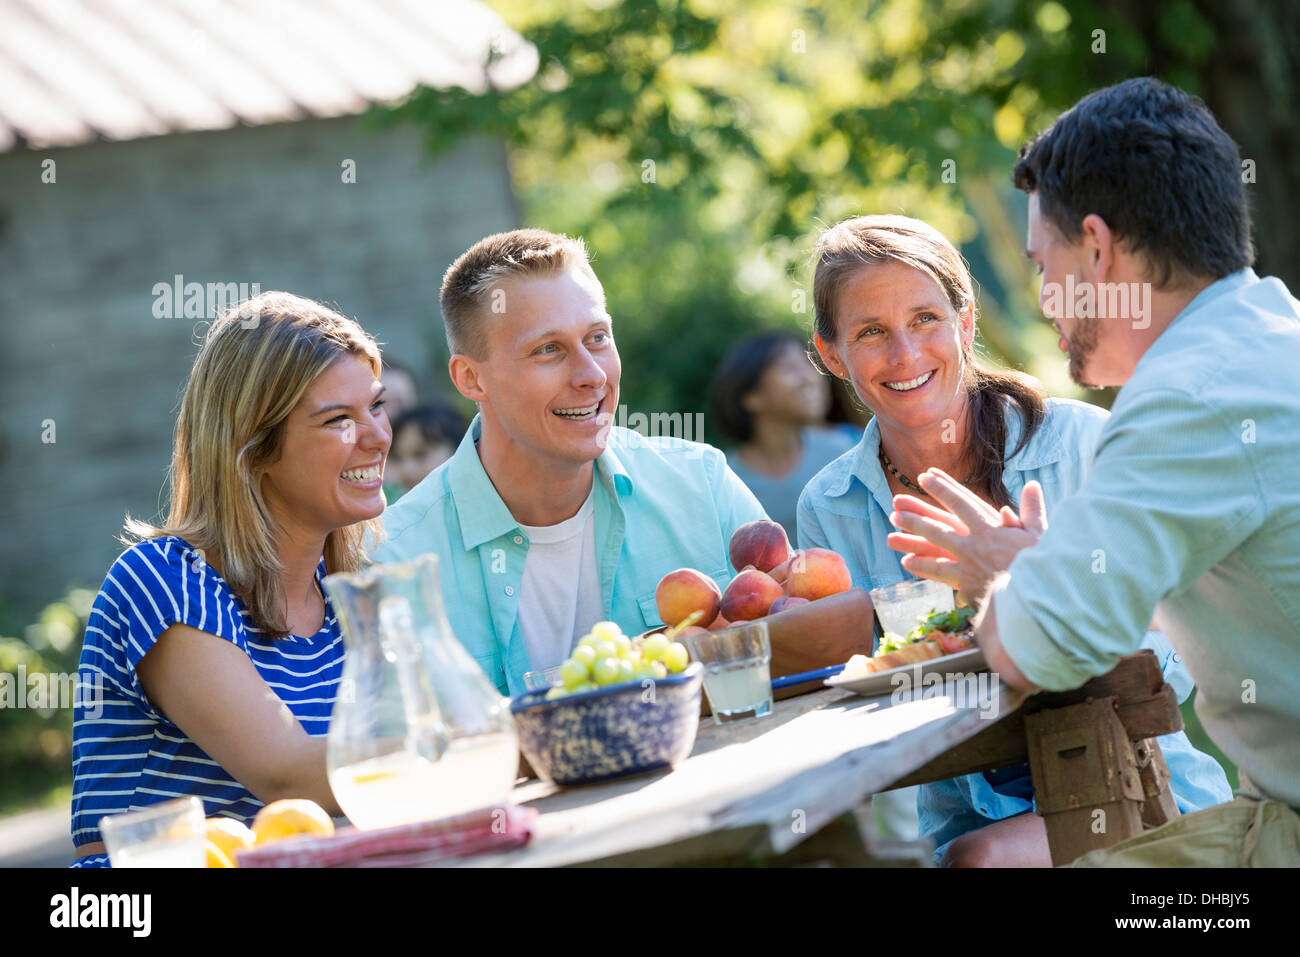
[{"x": 418, "y": 731}]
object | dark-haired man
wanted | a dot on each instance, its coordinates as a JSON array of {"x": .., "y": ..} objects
[
  {"x": 548, "y": 518},
  {"x": 1192, "y": 509}
]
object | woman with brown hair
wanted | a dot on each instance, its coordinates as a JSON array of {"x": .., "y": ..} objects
[
  {"x": 896, "y": 317},
  {"x": 217, "y": 651}
]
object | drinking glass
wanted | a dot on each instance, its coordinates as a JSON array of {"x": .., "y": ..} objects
[
  {"x": 737, "y": 670},
  {"x": 541, "y": 680},
  {"x": 167, "y": 834},
  {"x": 903, "y": 606}
]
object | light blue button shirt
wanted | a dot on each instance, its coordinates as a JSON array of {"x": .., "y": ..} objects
[
  {"x": 1192, "y": 511},
  {"x": 660, "y": 504},
  {"x": 846, "y": 508}
]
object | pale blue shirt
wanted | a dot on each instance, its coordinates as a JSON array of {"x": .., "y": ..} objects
[
  {"x": 846, "y": 508},
  {"x": 1193, "y": 504},
  {"x": 661, "y": 504}
]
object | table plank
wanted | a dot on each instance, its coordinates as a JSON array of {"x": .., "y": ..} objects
[{"x": 756, "y": 788}]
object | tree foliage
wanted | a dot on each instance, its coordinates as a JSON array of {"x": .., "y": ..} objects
[{"x": 700, "y": 145}]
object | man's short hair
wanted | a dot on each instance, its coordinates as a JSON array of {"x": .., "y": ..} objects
[
  {"x": 1152, "y": 162},
  {"x": 467, "y": 288}
]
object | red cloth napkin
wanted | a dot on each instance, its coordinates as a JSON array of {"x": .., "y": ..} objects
[{"x": 408, "y": 845}]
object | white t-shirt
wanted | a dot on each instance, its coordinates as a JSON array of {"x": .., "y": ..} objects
[{"x": 559, "y": 597}]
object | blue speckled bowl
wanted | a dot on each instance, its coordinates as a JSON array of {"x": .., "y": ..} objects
[{"x": 611, "y": 732}]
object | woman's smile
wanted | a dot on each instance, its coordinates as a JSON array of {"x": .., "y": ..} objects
[
  {"x": 366, "y": 477},
  {"x": 911, "y": 385}
]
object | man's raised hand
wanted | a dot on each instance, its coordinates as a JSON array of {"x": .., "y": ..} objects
[{"x": 970, "y": 543}]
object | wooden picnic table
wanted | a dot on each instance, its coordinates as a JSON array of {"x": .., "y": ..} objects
[{"x": 783, "y": 789}]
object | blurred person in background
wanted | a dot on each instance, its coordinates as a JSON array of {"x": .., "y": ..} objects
[
  {"x": 423, "y": 438},
  {"x": 219, "y": 653},
  {"x": 770, "y": 399},
  {"x": 400, "y": 390}
]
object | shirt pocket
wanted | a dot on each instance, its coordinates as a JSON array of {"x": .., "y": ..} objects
[
  {"x": 650, "y": 607},
  {"x": 491, "y": 665}
]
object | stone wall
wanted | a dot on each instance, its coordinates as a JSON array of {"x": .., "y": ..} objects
[{"x": 85, "y": 361}]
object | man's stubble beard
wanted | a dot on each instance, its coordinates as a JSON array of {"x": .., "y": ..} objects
[{"x": 1083, "y": 343}]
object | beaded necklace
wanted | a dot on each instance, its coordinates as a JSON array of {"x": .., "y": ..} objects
[{"x": 907, "y": 482}]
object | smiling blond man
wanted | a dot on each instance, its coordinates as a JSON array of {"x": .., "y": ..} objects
[{"x": 548, "y": 518}]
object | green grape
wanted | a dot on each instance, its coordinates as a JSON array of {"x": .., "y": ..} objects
[
  {"x": 588, "y": 641},
  {"x": 654, "y": 648},
  {"x": 606, "y": 631},
  {"x": 607, "y": 671},
  {"x": 606, "y": 649},
  {"x": 658, "y": 670},
  {"x": 556, "y": 692},
  {"x": 626, "y": 670},
  {"x": 634, "y": 658},
  {"x": 573, "y": 673},
  {"x": 624, "y": 644},
  {"x": 585, "y": 655},
  {"x": 676, "y": 657}
]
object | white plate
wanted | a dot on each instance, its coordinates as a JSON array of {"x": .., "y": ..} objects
[{"x": 881, "y": 682}]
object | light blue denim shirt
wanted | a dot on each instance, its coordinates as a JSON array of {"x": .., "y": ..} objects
[
  {"x": 1194, "y": 505},
  {"x": 846, "y": 508},
  {"x": 660, "y": 504}
]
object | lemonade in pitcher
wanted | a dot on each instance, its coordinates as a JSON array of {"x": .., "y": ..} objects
[
  {"x": 403, "y": 788},
  {"x": 418, "y": 732}
]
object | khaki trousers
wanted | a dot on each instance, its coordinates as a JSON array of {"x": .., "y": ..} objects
[{"x": 1247, "y": 832}]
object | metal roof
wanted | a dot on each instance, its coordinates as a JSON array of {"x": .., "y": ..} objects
[{"x": 75, "y": 71}]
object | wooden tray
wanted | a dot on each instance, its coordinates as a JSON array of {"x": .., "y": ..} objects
[{"x": 821, "y": 633}]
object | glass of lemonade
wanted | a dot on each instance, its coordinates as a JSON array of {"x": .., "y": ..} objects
[
  {"x": 737, "y": 670},
  {"x": 168, "y": 834},
  {"x": 903, "y": 606}
]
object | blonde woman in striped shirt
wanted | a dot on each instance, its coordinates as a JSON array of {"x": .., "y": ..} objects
[{"x": 216, "y": 650}]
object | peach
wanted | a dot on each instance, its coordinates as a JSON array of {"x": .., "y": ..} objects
[
  {"x": 719, "y": 623},
  {"x": 816, "y": 573},
  {"x": 762, "y": 544},
  {"x": 784, "y": 602},
  {"x": 684, "y": 591},
  {"x": 749, "y": 596}
]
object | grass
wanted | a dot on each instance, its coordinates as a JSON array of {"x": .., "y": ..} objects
[{"x": 60, "y": 794}]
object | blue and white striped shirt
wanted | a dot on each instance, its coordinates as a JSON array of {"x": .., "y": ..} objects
[{"x": 125, "y": 753}]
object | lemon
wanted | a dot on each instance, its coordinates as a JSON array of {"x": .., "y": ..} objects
[
  {"x": 289, "y": 818},
  {"x": 216, "y": 856},
  {"x": 229, "y": 836}
]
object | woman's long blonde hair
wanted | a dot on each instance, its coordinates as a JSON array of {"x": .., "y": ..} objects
[{"x": 255, "y": 364}]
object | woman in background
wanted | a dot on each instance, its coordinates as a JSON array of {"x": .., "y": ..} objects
[
  {"x": 770, "y": 400},
  {"x": 219, "y": 653}
]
